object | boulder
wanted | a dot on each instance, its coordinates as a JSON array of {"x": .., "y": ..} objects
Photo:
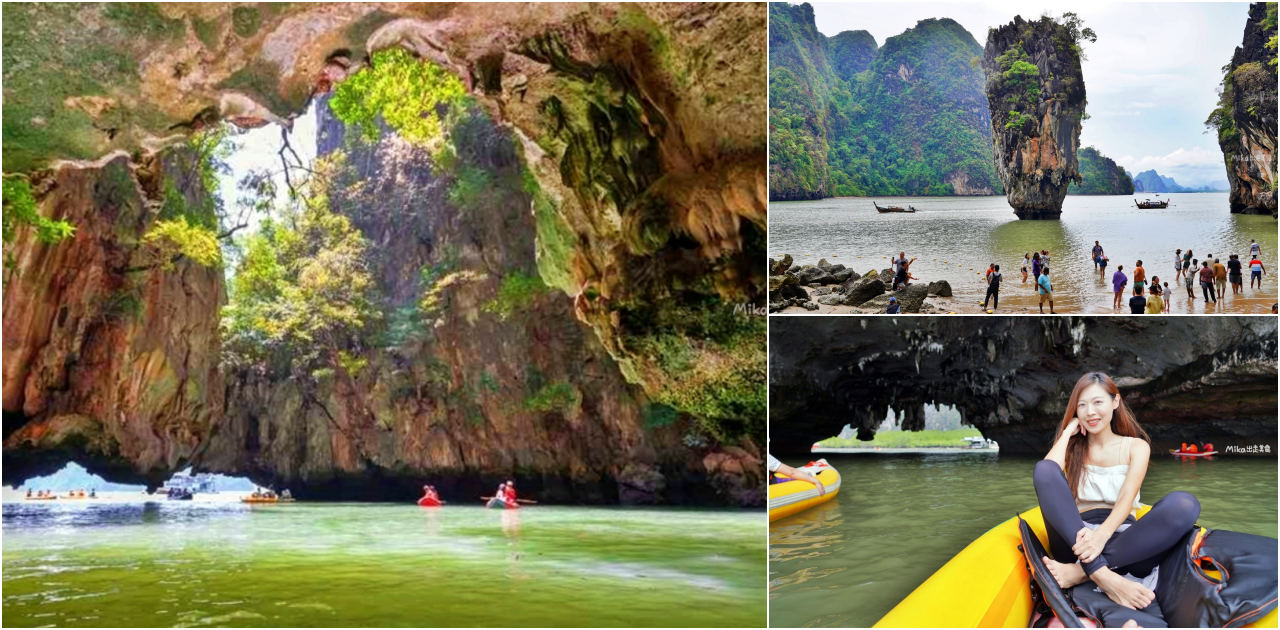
[
  {"x": 848, "y": 282},
  {"x": 843, "y": 274},
  {"x": 810, "y": 306},
  {"x": 862, "y": 290},
  {"x": 911, "y": 299},
  {"x": 781, "y": 266},
  {"x": 821, "y": 291},
  {"x": 777, "y": 282},
  {"x": 810, "y": 275},
  {"x": 835, "y": 299},
  {"x": 940, "y": 288},
  {"x": 886, "y": 276}
]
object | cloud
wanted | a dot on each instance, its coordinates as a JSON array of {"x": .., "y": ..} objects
[
  {"x": 1117, "y": 114},
  {"x": 1142, "y": 105}
]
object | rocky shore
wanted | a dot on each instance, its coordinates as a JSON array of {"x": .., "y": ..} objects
[{"x": 813, "y": 287}]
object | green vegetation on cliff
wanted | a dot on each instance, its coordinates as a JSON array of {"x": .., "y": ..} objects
[
  {"x": 909, "y": 118},
  {"x": 1102, "y": 176},
  {"x": 302, "y": 287},
  {"x": 20, "y": 211}
]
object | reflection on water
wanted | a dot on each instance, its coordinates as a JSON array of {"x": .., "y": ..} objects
[
  {"x": 964, "y": 232},
  {"x": 226, "y": 564},
  {"x": 898, "y": 518}
]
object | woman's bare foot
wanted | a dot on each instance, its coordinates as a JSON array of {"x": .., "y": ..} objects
[
  {"x": 1067, "y": 575},
  {"x": 1121, "y": 591}
]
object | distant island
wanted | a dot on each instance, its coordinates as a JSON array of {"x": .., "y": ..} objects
[{"x": 1153, "y": 182}]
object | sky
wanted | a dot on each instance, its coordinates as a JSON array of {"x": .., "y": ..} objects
[
  {"x": 1151, "y": 78},
  {"x": 258, "y": 149}
]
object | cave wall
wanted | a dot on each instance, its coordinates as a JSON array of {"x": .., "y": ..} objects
[
  {"x": 1185, "y": 378},
  {"x": 642, "y": 124},
  {"x": 113, "y": 367}
]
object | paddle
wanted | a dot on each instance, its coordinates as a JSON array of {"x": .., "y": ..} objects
[{"x": 528, "y": 501}]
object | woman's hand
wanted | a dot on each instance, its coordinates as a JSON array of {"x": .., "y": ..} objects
[
  {"x": 1073, "y": 427},
  {"x": 1089, "y": 543}
]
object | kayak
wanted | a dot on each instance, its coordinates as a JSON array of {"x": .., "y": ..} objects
[
  {"x": 42, "y": 498},
  {"x": 495, "y": 502},
  {"x": 791, "y": 496},
  {"x": 430, "y": 502},
  {"x": 264, "y": 500},
  {"x": 986, "y": 585},
  {"x": 1177, "y": 453}
]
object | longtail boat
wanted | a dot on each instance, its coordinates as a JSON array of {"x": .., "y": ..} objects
[
  {"x": 891, "y": 208},
  {"x": 1148, "y": 204}
]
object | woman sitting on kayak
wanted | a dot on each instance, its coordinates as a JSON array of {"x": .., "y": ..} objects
[{"x": 1088, "y": 487}]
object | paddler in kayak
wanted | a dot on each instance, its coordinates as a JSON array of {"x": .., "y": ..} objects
[
  {"x": 510, "y": 496},
  {"x": 1088, "y": 487},
  {"x": 776, "y": 466},
  {"x": 499, "y": 497}
]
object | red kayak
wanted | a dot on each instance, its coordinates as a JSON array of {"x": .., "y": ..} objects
[
  {"x": 430, "y": 502},
  {"x": 1177, "y": 453}
]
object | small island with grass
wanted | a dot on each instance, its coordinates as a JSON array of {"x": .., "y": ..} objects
[{"x": 942, "y": 433}]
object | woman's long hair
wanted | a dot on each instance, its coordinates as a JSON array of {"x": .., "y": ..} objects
[{"x": 1122, "y": 423}]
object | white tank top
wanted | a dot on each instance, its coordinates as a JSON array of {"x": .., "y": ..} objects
[{"x": 1100, "y": 486}]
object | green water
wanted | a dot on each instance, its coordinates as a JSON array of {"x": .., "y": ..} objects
[
  {"x": 336, "y": 565},
  {"x": 977, "y": 231},
  {"x": 898, "y": 519}
]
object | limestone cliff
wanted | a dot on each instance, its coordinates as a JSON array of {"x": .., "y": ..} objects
[
  {"x": 642, "y": 125},
  {"x": 109, "y": 358},
  {"x": 466, "y": 398},
  {"x": 1246, "y": 115},
  {"x": 1101, "y": 176},
  {"x": 1036, "y": 94},
  {"x": 1185, "y": 378}
]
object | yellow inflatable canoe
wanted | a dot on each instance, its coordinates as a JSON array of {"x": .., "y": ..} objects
[
  {"x": 985, "y": 586},
  {"x": 791, "y": 497}
]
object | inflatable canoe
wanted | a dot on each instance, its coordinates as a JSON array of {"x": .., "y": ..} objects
[
  {"x": 495, "y": 502},
  {"x": 430, "y": 502},
  {"x": 792, "y": 496},
  {"x": 986, "y": 585},
  {"x": 264, "y": 500},
  {"x": 1177, "y": 453}
]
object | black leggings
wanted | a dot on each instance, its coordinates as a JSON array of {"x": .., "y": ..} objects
[
  {"x": 1136, "y": 550},
  {"x": 993, "y": 293}
]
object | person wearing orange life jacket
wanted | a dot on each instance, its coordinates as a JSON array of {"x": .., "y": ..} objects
[
  {"x": 1192, "y": 449},
  {"x": 510, "y": 496}
]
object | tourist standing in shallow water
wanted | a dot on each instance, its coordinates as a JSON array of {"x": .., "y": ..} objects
[
  {"x": 1155, "y": 303},
  {"x": 1102, "y": 267},
  {"x": 1177, "y": 265},
  {"x": 1219, "y": 278},
  {"x": 1026, "y": 262},
  {"x": 1046, "y": 290},
  {"x": 1256, "y": 271},
  {"x": 1206, "y": 282},
  {"x": 1137, "y": 303},
  {"x": 1188, "y": 279},
  {"x": 1118, "y": 282},
  {"x": 1097, "y": 253},
  {"x": 993, "y": 288},
  {"x": 1139, "y": 277}
]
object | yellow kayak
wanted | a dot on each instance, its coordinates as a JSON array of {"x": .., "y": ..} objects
[
  {"x": 986, "y": 585},
  {"x": 791, "y": 497},
  {"x": 264, "y": 500}
]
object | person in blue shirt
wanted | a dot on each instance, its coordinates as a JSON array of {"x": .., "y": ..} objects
[
  {"x": 894, "y": 307},
  {"x": 1046, "y": 291}
]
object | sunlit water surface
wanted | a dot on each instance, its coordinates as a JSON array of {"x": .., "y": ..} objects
[{"x": 337, "y": 565}]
